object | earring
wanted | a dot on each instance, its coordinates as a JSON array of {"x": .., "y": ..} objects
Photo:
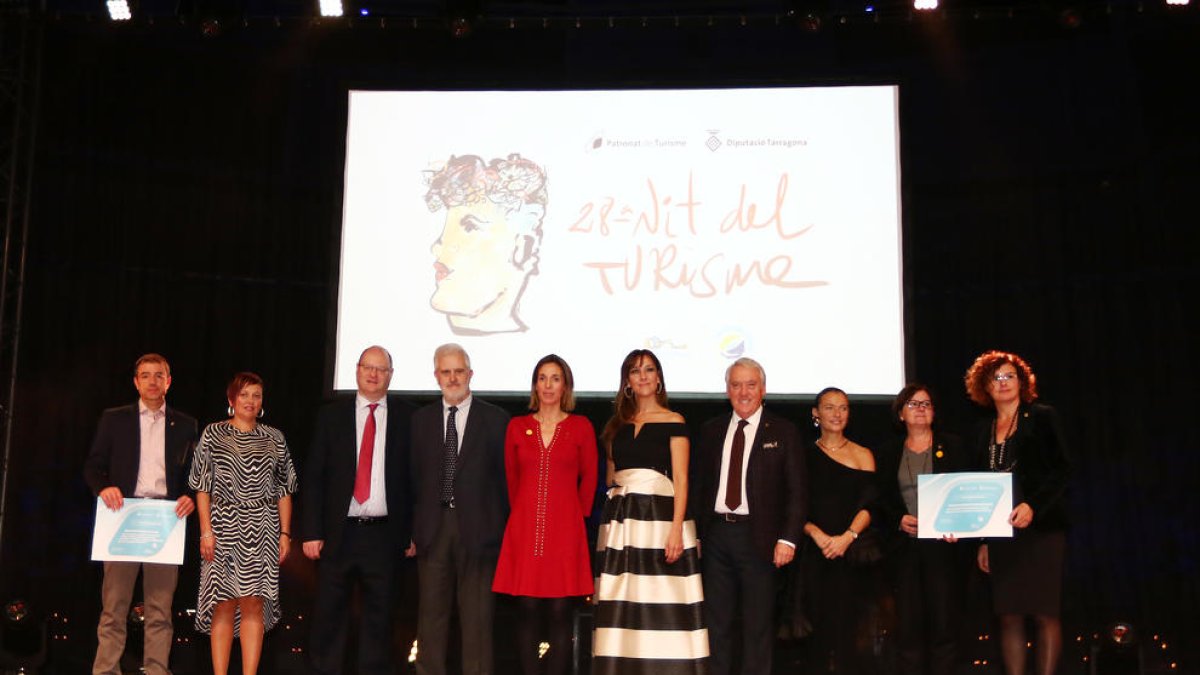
[
  {"x": 816, "y": 423},
  {"x": 628, "y": 391},
  {"x": 261, "y": 412},
  {"x": 229, "y": 410},
  {"x": 659, "y": 386}
]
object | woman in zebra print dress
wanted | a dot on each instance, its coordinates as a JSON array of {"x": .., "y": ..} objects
[
  {"x": 649, "y": 595},
  {"x": 244, "y": 479}
]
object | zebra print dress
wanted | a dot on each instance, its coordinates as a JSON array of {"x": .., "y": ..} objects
[{"x": 245, "y": 475}]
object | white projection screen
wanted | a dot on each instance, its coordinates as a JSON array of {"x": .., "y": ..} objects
[{"x": 702, "y": 224}]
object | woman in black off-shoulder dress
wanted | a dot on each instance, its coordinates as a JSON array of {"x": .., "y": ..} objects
[{"x": 649, "y": 613}]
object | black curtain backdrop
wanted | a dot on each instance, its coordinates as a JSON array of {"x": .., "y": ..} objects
[{"x": 187, "y": 200}]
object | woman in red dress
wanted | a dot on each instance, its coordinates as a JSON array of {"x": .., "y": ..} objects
[{"x": 550, "y": 462}]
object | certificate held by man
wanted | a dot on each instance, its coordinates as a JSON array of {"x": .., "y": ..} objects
[
  {"x": 964, "y": 505},
  {"x": 142, "y": 530}
]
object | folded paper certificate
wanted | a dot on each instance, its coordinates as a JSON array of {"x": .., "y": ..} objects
[
  {"x": 144, "y": 530},
  {"x": 964, "y": 505}
]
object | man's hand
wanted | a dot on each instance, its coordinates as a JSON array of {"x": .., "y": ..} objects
[
  {"x": 783, "y": 554},
  {"x": 112, "y": 498},
  {"x": 184, "y": 506},
  {"x": 312, "y": 549}
]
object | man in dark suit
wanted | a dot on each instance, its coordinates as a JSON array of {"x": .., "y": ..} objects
[
  {"x": 140, "y": 450},
  {"x": 749, "y": 499},
  {"x": 461, "y": 510},
  {"x": 357, "y": 516}
]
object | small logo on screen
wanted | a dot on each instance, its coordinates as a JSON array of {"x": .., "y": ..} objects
[
  {"x": 733, "y": 345},
  {"x": 713, "y": 143}
]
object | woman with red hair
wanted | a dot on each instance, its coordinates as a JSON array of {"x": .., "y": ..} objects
[{"x": 1023, "y": 438}]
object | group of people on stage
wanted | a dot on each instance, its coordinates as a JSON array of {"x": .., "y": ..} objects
[{"x": 697, "y": 534}]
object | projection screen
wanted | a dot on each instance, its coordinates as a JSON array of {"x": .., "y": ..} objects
[{"x": 702, "y": 224}]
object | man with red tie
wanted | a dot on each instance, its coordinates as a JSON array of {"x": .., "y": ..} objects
[{"x": 357, "y": 516}]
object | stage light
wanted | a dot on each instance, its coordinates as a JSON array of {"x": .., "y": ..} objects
[
  {"x": 22, "y": 638},
  {"x": 1070, "y": 18},
  {"x": 118, "y": 10},
  {"x": 1118, "y": 652},
  {"x": 332, "y": 8},
  {"x": 925, "y": 5},
  {"x": 460, "y": 27},
  {"x": 1178, "y": 3},
  {"x": 811, "y": 22}
]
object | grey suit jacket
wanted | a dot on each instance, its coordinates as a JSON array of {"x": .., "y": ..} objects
[{"x": 480, "y": 491}]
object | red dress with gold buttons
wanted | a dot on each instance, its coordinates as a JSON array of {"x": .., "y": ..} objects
[{"x": 550, "y": 491}]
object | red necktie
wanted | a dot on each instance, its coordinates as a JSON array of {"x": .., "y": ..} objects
[{"x": 362, "y": 479}]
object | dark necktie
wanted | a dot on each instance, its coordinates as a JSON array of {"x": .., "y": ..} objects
[
  {"x": 733, "y": 488},
  {"x": 366, "y": 453},
  {"x": 450, "y": 457}
]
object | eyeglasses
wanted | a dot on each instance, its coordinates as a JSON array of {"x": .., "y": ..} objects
[
  {"x": 1004, "y": 377},
  {"x": 378, "y": 370},
  {"x": 923, "y": 405}
]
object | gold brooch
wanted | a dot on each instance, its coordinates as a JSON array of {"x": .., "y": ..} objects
[
  {"x": 939, "y": 454},
  {"x": 529, "y": 432}
]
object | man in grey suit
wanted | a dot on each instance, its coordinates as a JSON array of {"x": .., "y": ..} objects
[
  {"x": 140, "y": 450},
  {"x": 460, "y": 512}
]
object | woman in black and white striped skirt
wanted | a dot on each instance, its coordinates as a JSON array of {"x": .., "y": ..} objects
[{"x": 648, "y": 591}]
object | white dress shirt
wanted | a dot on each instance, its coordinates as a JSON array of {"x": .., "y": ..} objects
[
  {"x": 376, "y": 504},
  {"x": 152, "y": 454}
]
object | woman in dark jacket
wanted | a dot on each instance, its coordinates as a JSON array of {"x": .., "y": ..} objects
[
  {"x": 928, "y": 574},
  {"x": 1023, "y": 438}
]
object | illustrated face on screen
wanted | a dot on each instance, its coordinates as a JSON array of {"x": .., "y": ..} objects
[{"x": 489, "y": 242}]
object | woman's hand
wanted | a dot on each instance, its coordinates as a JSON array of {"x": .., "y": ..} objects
[
  {"x": 982, "y": 559},
  {"x": 208, "y": 546},
  {"x": 674, "y": 547},
  {"x": 908, "y": 525},
  {"x": 285, "y": 547},
  {"x": 1021, "y": 516},
  {"x": 836, "y": 547}
]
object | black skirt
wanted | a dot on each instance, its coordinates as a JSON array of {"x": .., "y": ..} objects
[{"x": 1027, "y": 572}]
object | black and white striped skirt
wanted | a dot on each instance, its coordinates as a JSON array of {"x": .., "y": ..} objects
[{"x": 649, "y": 615}]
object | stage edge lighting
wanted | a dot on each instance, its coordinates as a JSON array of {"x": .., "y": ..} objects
[{"x": 925, "y": 5}]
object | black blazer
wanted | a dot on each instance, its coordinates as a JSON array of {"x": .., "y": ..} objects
[
  {"x": 776, "y": 481},
  {"x": 117, "y": 450},
  {"x": 948, "y": 457},
  {"x": 1042, "y": 463},
  {"x": 331, "y": 465},
  {"x": 480, "y": 491}
]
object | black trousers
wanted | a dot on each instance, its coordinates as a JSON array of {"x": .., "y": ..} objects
[
  {"x": 365, "y": 558},
  {"x": 930, "y": 582},
  {"x": 737, "y": 578}
]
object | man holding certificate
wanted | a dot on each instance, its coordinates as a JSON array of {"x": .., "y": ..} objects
[{"x": 140, "y": 450}]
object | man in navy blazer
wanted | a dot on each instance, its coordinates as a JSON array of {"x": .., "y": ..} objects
[
  {"x": 749, "y": 497},
  {"x": 140, "y": 450},
  {"x": 357, "y": 516},
  {"x": 460, "y": 514}
]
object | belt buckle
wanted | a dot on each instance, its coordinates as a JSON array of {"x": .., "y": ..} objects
[
  {"x": 730, "y": 517},
  {"x": 448, "y": 504}
]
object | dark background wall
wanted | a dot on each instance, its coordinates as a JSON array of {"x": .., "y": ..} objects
[{"x": 187, "y": 200}]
